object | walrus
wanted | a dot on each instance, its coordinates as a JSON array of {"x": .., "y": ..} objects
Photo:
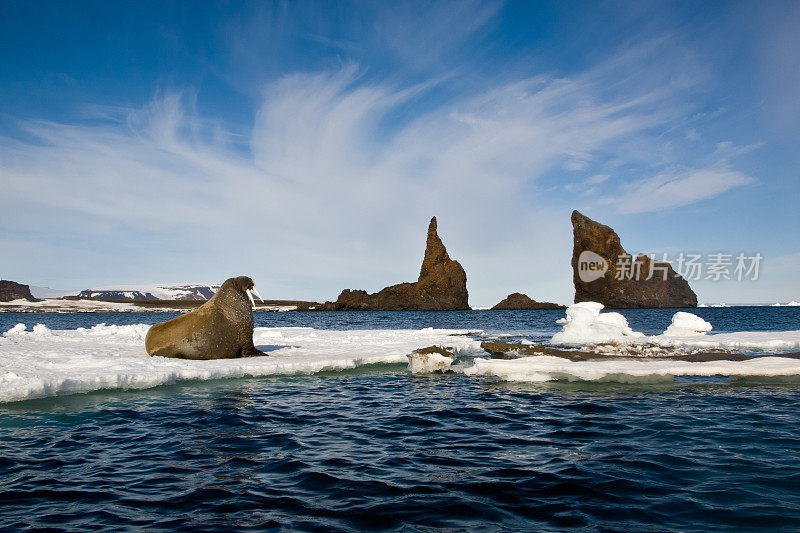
[{"x": 221, "y": 328}]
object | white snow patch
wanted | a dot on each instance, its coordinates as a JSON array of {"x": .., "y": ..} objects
[
  {"x": 279, "y": 308},
  {"x": 43, "y": 362},
  {"x": 41, "y": 330},
  {"x": 741, "y": 341},
  {"x": 547, "y": 368},
  {"x": 687, "y": 325},
  {"x": 585, "y": 324},
  {"x": 16, "y": 330}
]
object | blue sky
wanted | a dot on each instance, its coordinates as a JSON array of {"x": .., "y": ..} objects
[{"x": 308, "y": 143}]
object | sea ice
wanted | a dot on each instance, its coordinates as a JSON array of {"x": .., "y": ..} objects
[
  {"x": 740, "y": 341},
  {"x": 585, "y": 324},
  {"x": 687, "y": 325},
  {"x": 44, "y": 362},
  {"x": 16, "y": 330},
  {"x": 547, "y": 368},
  {"x": 610, "y": 334}
]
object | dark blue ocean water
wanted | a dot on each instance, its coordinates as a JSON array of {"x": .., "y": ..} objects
[
  {"x": 379, "y": 449},
  {"x": 539, "y": 324}
]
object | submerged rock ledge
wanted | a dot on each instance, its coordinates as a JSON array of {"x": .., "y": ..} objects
[{"x": 507, "y": 350}]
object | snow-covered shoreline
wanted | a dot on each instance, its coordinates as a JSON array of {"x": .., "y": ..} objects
[
  {"x": 100, "y": 306},
  {"x": 69, "y": 306}
]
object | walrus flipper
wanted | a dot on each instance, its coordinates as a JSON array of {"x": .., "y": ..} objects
[{"x": 251, "y": 351}]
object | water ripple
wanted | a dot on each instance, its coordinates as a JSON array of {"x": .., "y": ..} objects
[{"x": 398, "y": 452}]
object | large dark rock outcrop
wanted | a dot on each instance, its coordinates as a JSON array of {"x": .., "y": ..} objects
[
  {"x": 518, "y": 302},
  {"x": 11, "y": 290},
  {"x": 442, "y": 286},
  {"x": 623, "y": 287}
]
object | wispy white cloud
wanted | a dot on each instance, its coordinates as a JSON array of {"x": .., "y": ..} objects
[
  {"x": 421, "y": 33},
  {"x": 679, "y": 186},
  {"x": 675, "y": 188},
  {"x": 789, "y": 263},
  {"x": 326, "y": 191},
  {"x": 587, "y": 186},
  {"x": 728, "y": 150},
  {"x": 778, "y": 64}
]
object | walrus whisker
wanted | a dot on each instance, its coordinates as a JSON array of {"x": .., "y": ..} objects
[
  {"x": 259, "y": 296},
  {"x": 251, "y": 298}
]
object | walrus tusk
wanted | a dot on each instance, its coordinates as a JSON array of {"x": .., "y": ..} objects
[
  {"x": 251, "y": 299},
  {"x": 259, "y": 296}
]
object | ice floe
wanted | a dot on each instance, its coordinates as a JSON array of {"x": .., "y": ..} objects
[
  {"x": 585, "y": 324},
  {"x": 40, "y": 362},
  {"x": 687, "y": 325},
  {"x": 635, "y": 358},
  {"x": 44, "y": 362},
  {"x": 547, "y": 368},
  {"x": 741, "y": 341}
]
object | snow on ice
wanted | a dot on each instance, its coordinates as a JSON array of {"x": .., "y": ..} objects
[{"x": 42, "y": 363}]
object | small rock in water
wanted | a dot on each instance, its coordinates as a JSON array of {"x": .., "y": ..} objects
[
  {"x": 430, "y": 359},
  {"x": 522, "y": 302}
]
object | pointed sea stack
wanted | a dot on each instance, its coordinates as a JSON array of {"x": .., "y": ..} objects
[
  {"x": 615, "y": 288},
  {"x": 441, "y": 286},
  {"x": 11, "y": 290}
]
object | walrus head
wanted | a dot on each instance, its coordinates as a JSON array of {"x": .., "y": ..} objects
[{"x": 245, "y": 284}]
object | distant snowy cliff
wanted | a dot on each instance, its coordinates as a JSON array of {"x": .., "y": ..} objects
[{"x": 152, "y": 292}]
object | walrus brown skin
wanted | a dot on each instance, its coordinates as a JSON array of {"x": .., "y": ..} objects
[{"x": 221, "y": 328}]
